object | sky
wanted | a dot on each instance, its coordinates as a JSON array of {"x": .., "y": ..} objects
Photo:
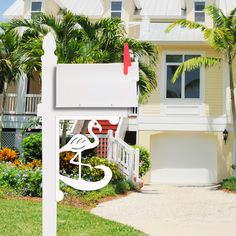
[{"x": 4, "y": 4}]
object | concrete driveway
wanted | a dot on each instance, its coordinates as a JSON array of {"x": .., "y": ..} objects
[{"x": 162, "y": 210}]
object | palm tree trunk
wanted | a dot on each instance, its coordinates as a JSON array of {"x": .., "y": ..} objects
[
  {"x": 233, "y": 108},
  {"x": 85, "y": 127},
  {"x": 3, "y": 104},
  {"x": 64, "y": 132}
]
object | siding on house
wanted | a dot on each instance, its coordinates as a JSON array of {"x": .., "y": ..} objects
[
  {"x": 190, "y": 11},
  {"x": 213, "y": 89}
]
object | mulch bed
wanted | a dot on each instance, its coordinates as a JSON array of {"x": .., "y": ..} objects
[
  {"x": 77, "y": 202},
  {"x": 74, "y": 200},
  {"x": 228, "y": 191}
]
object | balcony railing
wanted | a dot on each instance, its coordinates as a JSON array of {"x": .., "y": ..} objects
[
  {"x": 133, "y": 111},
  {"x": 31, "y": 102},
  {"x": 10, "y": 103},
  {"x": 29, "y": 105}
]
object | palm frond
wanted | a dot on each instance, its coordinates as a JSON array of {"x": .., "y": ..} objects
[
  {"x": 217, "y": 15},
  {"x": 195, "y": 63},
  {"x": 185, "y": 24}
]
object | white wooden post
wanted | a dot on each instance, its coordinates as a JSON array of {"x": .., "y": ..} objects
[
  {"x": 131, "y": 164},
  {"x": 110, "y": 145},
  {"x": 49, "y": 61},
  {"x": 136, "y": 163}
]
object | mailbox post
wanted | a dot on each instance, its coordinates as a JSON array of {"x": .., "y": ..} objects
[{"x": 69, "y": 92}]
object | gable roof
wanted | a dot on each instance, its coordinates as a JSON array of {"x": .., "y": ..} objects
[{"x": 15, "y": 10}]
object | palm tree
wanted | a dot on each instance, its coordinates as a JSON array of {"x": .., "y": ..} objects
[
  {"x": 9, "y": 67},
  {"x": 221, "y": 37},
  {"x": 80, "y": 40},
  {"x": 16, "y": 58}
]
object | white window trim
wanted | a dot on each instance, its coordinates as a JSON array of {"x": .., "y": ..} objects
[
  {"x": 116, "y": 11},
  {"x": 199, "y": 11},
  {"x": 31, "y": 6},
  {"x": 180, "y": 101}
]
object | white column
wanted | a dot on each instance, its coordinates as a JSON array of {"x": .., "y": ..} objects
[
  {"x": 20, "y": 93},
  {"x": 227, "y": 95},
  {"x": 144, "y": 26},
  {"x": 49, "y": 61}
]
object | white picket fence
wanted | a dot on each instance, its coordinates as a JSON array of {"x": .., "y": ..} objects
[{"x": 125, "y": 156}]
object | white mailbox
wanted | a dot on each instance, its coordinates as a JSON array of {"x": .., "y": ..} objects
[{"x": 96, "y": 85}]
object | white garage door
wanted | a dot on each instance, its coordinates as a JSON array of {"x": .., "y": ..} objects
[{"x": 183, "y": 159}]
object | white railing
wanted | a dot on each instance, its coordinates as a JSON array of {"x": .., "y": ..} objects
[
  {"x": 10, "y": 103},
  {"x": 31, "y": 102},
  {"x": 133, "y": 111},
  {"x": 125, "y": 156}
]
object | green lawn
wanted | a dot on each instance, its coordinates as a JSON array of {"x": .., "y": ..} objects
[{"x": 23, "y": 218}]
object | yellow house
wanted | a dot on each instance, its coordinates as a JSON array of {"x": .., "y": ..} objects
[{"x": 182, "y": 124}]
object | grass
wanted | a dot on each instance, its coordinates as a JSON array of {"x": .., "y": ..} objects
[
  {"x": 20, "y": 217},
  {"x": 229, "y": 183}
]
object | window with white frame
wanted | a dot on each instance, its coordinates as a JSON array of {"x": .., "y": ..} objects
[
  {"x": 116, "y": 8},
  {"x": 199, "y": 12},
  {"x": 188, "y": 85},
  {"x": 36, "y": 8}
]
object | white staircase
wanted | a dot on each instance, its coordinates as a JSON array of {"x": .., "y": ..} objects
[{"x": 125, "y": 156}]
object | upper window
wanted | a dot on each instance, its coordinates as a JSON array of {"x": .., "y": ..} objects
[
  {"x": 199, "y": 7},
  {"x": 188, "y": 85},
  {"x": 116, "y": 9},
  {"x": 36, "y": 8}
]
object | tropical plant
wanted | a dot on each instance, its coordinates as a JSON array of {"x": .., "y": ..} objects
[
  {"x": 221, "y": 37},
  {"x": 9, "y": 66},
  {"x": 144, "y": 160},
  {"x": 16, "y": 58},
  {"x": 32, "y": 147},
  {"x": 80, "y": 40},
  {"x": 8, "y": 155}
]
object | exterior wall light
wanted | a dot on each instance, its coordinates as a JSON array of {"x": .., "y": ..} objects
[{"x": 225, "y": 135}]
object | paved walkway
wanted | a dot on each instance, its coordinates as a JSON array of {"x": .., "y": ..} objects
[{"x": 175, "y": 211}]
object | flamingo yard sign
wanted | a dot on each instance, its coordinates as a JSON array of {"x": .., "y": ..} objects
[
  {"x": 77, "y": 144},
  {"x": 76, "y": 92}
]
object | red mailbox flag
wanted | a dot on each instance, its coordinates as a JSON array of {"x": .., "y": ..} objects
[{"x": 127, "y": 60}]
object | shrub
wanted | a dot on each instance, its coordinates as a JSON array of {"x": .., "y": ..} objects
[
  {"x": 229, "y": 183},
  {"x": 26, "y": 182},
  {"x": 132, "y": 186},
  {"x": 144, "y": 160},
  {"x": 122, "y": 187},
  {"x": 96, "y": 174},
  {"x": 65, "y": 165},
  {"x": 87, "y": 174},
  {"x": 8, "y": 155},
  {"x": 32, "y": 147}
]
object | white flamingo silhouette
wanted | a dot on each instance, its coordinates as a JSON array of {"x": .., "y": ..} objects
[{"x": 78, "y": 143}]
